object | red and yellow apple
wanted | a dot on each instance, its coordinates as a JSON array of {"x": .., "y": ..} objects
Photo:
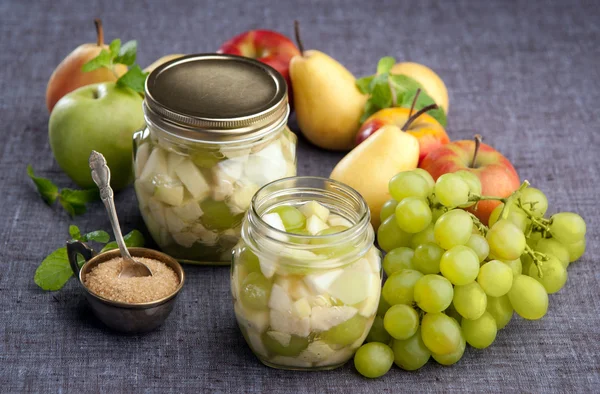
[
  {"x": 497, "y": 175},
  {"x": 430, "y": 134},
  {"x": 266, "y": 46}
]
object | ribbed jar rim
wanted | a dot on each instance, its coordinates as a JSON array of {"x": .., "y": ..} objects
[{"x": 339, "y": 198}]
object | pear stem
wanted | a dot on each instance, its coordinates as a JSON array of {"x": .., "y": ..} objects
[
  {"x": 417, "y": 114},
  {"x": 477, "y": 145},
  {"x": 99, "y": 32},
  {"x": 297, "y": 35},
  {"x": 414, "y": 102}
]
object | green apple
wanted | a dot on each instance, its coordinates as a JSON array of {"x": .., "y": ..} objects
[{"x": 100, "y": 117}]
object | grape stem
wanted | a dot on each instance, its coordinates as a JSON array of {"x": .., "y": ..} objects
[
  {"x": 540, "y": 222},
  {"x": 483, "y": 229},
  {"x": 512, "y": 197},
  {"x": 538, "y": 259}
]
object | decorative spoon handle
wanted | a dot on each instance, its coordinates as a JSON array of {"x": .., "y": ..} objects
[{"x": 101, "y": 176}]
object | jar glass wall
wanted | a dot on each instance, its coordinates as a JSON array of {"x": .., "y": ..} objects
[{"x": 306, "y": 301}]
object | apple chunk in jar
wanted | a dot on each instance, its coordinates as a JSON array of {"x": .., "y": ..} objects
[
  {"x": 306, "y": 278},
  {"x": 207, "y": 148}
]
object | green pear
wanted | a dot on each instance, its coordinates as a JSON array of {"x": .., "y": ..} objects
[
  {"x": 100, "y": 117},
  {"x": 327, "y": 103}
]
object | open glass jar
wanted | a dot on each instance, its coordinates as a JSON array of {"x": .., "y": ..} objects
[
  {"x": 306, "y": 301},
  {"x": 216, "y": 132}
]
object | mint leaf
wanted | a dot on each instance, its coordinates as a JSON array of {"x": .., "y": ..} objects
[
  {"x": 127, "y": 54},
  {"x": 47, "y": 189},
  {"x": 73, "y": 201},
  {"x": 385, "y": 64},
  {"x": 99, "y": 236},
  {"x": 114, "y": 48},
  {"x": 382, "y": 94},
  {"x": 54, "y": 271},
  {"x": 133, "y": 239},
  {"x": 423, "y": 101},
  {"x": 363, "y": 84},
  {"x": 74, "y": 232},
  {"x": 104, "y": 59},
  {"x": 403, "y": 84},
  {"x": 135, "y": 79},
  {"x": 369, "y": 110}
]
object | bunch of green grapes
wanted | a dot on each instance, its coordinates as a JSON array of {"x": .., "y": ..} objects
[{"x": 453, "y": 281}]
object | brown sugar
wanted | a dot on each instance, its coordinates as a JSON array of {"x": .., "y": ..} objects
[{"x": 104, "y": 281}]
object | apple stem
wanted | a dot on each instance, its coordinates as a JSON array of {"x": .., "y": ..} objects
[
  {"x": 99, "y": 32},
  {"x": 477, "y": 145},
  {"x": 297, "y": 35},
  {"x": 414, "y": 102},
  {"x": 417, "y": 114}
]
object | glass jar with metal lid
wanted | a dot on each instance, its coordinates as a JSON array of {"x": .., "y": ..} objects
[
  {"x": 216, "y": 132},
  {"x": 306, "y": 277}
]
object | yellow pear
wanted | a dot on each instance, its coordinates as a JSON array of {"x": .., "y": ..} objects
[
  {"x": 161, "y": 61},
  {"x": 431, "y": 82},
  {"x": 327, "y": 103},
  {"x": 369, "y": 167}
]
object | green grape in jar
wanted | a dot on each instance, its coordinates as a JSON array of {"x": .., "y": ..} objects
[
  {"x": 217, "y": 216},
  {"x": 291, "y": 217},
  {"x": 255, "y": 291},
  {"x": 346, "y": 333},
  {"x": 295, "y": 346}
]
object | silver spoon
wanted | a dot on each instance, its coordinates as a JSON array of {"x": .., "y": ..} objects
[{"x": 101, "y": 175}]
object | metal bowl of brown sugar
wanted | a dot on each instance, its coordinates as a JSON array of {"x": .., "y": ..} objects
[{"x": 128, "y": 305}]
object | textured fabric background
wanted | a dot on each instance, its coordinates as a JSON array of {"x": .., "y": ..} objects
[{"x": 525, "y": 74}]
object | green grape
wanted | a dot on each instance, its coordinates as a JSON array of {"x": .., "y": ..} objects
[
  {"x": 454, "y": 357},
  {"x": 460, "y": 265},
  {"x": 474, "y": 185},
  {"x": 398, "y": 259},
  {"x": 427, "y": 176},
  {"x": 526, "y": 262},
  {"x": 382, "y": 307},
  {"x": 401, "y": 321},
  {"x": 534, "y": 238},
  {"x": 423, "y": 237},
  {"x": 346, "y": 333},
  {"x": 480, "y": 333},
  {"x": 436, "y": 213},
  {"x": 339, "y": 249},
  {"x": 495, "y": 278},
  {"x": 390, "y": 236},
  {"x": 576, "y": 250},
  {"x": 399, "y": 288},
  {"x": 534, "y": 200},
  {"x": 217, "y": 216},
  {"x": 506, "y": 241},
  {"x": 554, "y": 274},
  {"x": 452, "y": 312},
  {"x": 295, "y": 347},
  {"x": 410, "y": 354},
  {"x": 567, "y": 227},
  {"x": 427, "y": 258},
  {"x": 515, "y": 265},
  {"x": 441, "y": 334},
  {"x": 469, "y": 300},
  {"x": 515, "y": 215},
  {"x": 413, "y": 214},
  {"x": 453, "y": 228},
  {"x": 250, "y": 260},
  {"x": 479, "y": 245},
  {"x": 378, "y": 332},
  {"x": 528, "y": 297},
  {"x": 291, "y": 217},
  {"x": 451, "y": 190},
  {"x": 408, "y": 184},
  {"x": 373, "y": 360},
  {"x": 207, "y": 159},
  {"x": 553, "y": 247},
  {"x": 433, "y": 293},
  {"x": 388, "y": 209},
  {"x": 255, "y": 291},
  {"x": 501, "y": 309}
]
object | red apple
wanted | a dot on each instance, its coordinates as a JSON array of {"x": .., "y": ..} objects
[
  {"x": 428, "y": 131},
  {"x": 497, "y": 175},
  {"x": 266, "y": 46}
]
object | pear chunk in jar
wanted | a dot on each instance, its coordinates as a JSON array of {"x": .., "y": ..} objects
[
  {"x": 198, "y": 164},
  {"x": 319, "y": 286}
]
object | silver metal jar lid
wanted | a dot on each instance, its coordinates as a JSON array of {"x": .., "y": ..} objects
[{"x": 216, "y": 98}]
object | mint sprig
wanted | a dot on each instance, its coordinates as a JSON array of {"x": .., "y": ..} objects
[
  {"x": 55, "y": 270},
  {"x": 72, "y": 200},
  {"x": 391, "y": 90},
  {"x": 125, "y": 54}
]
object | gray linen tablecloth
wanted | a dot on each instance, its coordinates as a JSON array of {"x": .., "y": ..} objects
[{"x": 526, "y": 75}]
